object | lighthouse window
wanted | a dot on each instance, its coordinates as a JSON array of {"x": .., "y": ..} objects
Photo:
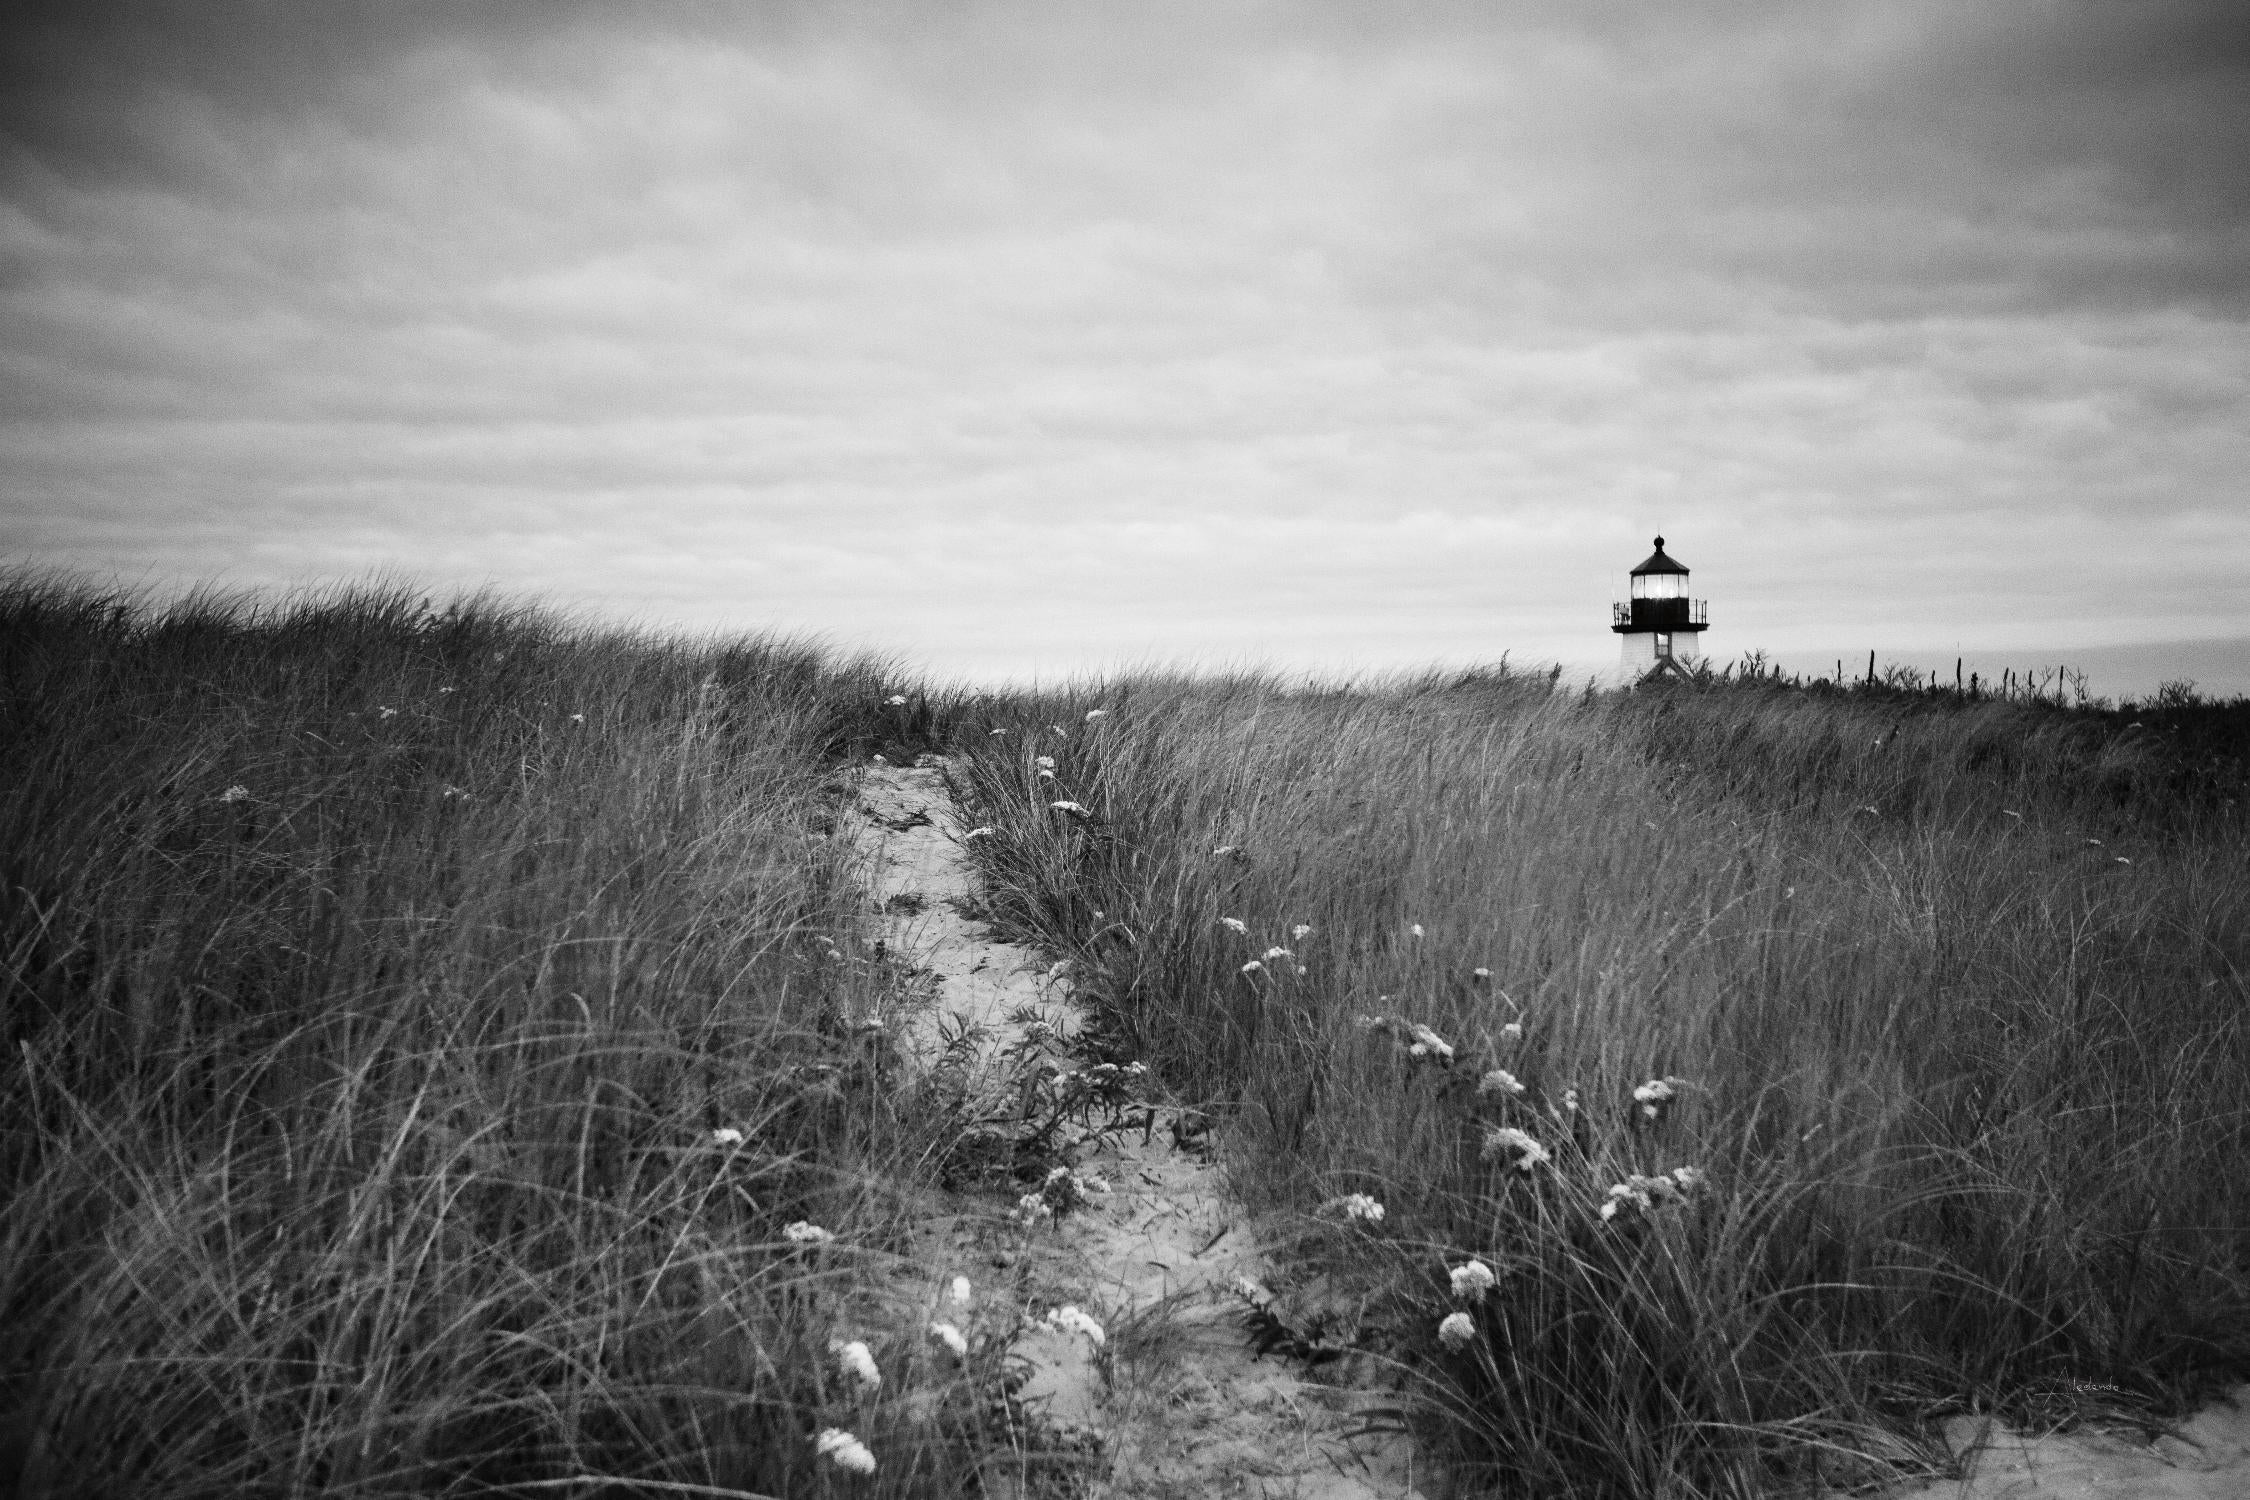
[
  {"x": 1664, "y": 643},
  {"x": 1660, "y": 586}
]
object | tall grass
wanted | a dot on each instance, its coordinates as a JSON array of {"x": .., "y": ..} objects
[
  {"x": 375, "y": 983},
  {"x": 1966, "y": 1085}
]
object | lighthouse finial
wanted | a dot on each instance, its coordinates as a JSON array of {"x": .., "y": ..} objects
[{"x": 1660, "y": 544}]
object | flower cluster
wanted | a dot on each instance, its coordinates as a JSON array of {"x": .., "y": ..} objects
[
  {"x": 1658, "y": 1094},
  {"x": 1471, "y": 1280},
  {"x": 951, "y": 1336},
  {"x": 1422, "y": 1044},
  {"x": 1062, "y": 1191},
  {"x": 1648, "y": 1194},
  {"x": 856, "y": 1361},
  {"x": 1515, "y": 1148},
  {"x": 848, "y": 1452},
  {"x": 1457, "y": 1330},
  {"x": 804, "y": 1232},
  {"x": 1499, "y": 1081},
  {"x": 1068, "y": 1319},
  {"x": 1355, "y": 1206},
  {"x": 1428, "y": 1046}
]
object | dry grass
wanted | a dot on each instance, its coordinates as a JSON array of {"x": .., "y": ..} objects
[
  {"x": 1967, "y": 1087},
  {"x": 375, "y": 982},
  {"x": 357, "y": 1126}
]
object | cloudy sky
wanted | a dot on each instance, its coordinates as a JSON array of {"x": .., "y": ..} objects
[{"x": 1042, "y": 336}]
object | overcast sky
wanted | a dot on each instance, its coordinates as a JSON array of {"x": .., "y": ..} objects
[{"x": 1049, "y": 336}]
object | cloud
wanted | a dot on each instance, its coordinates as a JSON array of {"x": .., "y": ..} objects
[{"x": 1073, "y": 331}]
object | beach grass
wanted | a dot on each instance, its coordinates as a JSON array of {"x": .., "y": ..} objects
[
  {"x": 437, "y": 1054},
  {"x": 423, "y": 1029},
  {"x": 1940, "y": 1001}
]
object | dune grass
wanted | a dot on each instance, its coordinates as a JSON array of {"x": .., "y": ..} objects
[
  {"x": 421, "y": 1031},
  {"x": 1949, "y": 996},
  {"x": 424, "y": 1030}
]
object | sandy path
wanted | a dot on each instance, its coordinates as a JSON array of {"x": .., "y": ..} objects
[
  {"x": 1180, "y": 1405},
  {"x": 2207, "y": 1457}
]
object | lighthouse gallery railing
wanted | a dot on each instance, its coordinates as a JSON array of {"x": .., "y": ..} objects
[{"x": 1659, "y": 614}]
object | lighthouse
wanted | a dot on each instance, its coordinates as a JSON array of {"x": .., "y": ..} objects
[{"x": 1660, "y": 622}]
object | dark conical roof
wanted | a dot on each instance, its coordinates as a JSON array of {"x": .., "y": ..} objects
[{"x": 1659, "y": 563}]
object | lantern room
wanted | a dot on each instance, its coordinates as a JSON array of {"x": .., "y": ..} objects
[{"x": 1659, "y": 622}]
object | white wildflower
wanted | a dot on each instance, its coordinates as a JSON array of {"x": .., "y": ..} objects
[
  {"x": 1301, "y": 931},
  {"x": 1068, "y": 1319},
  {"x": 1472, "y": 1280},
  {"x": 1429, "y": 1043},
  {"x": 896, "y": 700},
  {"x": 577, "y": 718},
  {"x": 1499, "y": 1081},
  {"x": 1226, "y": 849},
  {"x": 987, "y": 831},
  {"x": 959, "y": 1292},
  {"x": 848, "y": 1452},
  {"x": 804, "y": 1232},
  {"x": 857, "y": 1362},
  {"x": 1277, "y": 951},
  {"x": 1416, "y": 929},
  {"x": 236, "y": 793},
  {"x": 1570, "y": 1100},
  {"x": 1512, "y": 1032},
  {"x": 1457, "y": 1331},
  {"x": 1032, "y": 1210},
  {"x": 726, "y": 1135},
  {"x": 1480, "y": 975},
  {"x": 1096, "y": 713},
  {"x": 1515, "y": 1147},
  {"x": 1235, "y": 925},
  {"x": 1355, "y": 1206},
  {"x": 1647, "y": 1194},
  {"x": 950, "y": 1336},
  {"x": 1689, "y": 1178},
  {"x": 1252, "y": 967},
  {"x": 1657, "y": 1093},
  {"x": 1046, "y": 776},
  {"x": 1045, "y": 763},
  {"x": 1631, "y": 1193},
  {"x": 1079, "y": 808},
  {"x": 452, "y": 791},
  {"x": 998, "y": 732},
  {"x": 388, "y": 713},
  {"x": 1252, "y": 1291}
]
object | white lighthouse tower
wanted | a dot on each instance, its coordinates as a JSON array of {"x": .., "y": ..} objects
[{"x": 1660, "y": 623}]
